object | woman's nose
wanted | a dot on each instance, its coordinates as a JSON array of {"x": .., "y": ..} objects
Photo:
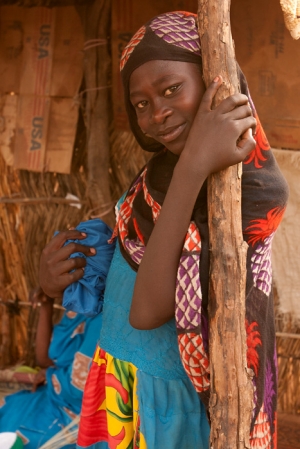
[{"x": 160, "y": 111}]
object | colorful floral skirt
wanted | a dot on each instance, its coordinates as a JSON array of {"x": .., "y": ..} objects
[
  {"x": 110, "y": 406},
  {"x": 124, "y": 408}
]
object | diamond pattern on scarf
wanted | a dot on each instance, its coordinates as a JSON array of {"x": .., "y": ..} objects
[
  {"x": 136, "y": 39},
  {"x": 136, "y": 249},
  {"x": 192, "y": 239},
  {"x": 261, "y": 266},
  {"x": 178, "y": 29},
  {"x": 194, "y": 360},
  {"x": 124, "y": 214},
  {"x": 150, "y": 201},
  {"x": 260, "y": 437},
  {"x": 188, "y": 293}
]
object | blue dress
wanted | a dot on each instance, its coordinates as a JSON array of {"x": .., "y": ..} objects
[{"x": 161, "y": 408}]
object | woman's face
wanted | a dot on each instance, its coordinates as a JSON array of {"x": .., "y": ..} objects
[{"x": 166, "y": 96}]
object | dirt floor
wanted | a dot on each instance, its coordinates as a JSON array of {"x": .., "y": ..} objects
[{"x": 288, "y": 431}]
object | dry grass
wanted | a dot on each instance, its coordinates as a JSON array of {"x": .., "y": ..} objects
[
  {"x": 12, "y": 279},
  {"x": 26, "y": 227},
  {"x": 127, "y": 158},
  {"x": 288, "y": 350}
]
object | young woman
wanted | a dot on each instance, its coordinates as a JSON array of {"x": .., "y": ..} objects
[{"x": 150, "y": 374}]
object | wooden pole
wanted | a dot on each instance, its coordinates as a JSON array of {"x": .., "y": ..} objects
[
  {"x": 231, "y": 387},
  {"x": 97, "y": 66}
]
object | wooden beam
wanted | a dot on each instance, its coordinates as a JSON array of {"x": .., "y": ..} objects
[
  {"x": 231, "y": 387},
  {"x": 97, "y": 106},
  {"x": 45, "y": 3}
]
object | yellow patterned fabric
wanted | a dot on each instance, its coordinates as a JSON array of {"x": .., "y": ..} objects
[{"x": 110, "y": 410}]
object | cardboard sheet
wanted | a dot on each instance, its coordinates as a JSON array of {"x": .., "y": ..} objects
[{"x": 41, "y": 63}]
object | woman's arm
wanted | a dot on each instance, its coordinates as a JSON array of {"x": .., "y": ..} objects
[
  {"x": 154, "y": 292},
  {"x": 217, "y": 130},
  {"x": 44, "y": 328}
]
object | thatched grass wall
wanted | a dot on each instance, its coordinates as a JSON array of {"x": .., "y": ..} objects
[
  {"x": 32, "y": 208},
  {"x": 288, "y": 352},
  {"x": 34, "y": 205}
]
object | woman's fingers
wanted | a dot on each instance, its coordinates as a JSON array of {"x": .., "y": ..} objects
[
  {"x": 67, "y": 279},
  {"x": 207, "y": 99},
  {"x": 240, "y": 112},
  {"x": 72, "y": 247},
  {"x": 60, "y": 239},
  {"x": 246, "y": 144},
  {"x": 227, "y": 105},
  {"x": 56, "y": 283},
  {"x": 74, "y": 276},
  {"x": 232, "y": 102},
  {"x": 72, "y": 264},
  {"x": 55, "y": 251},
  {"x": 219, "y": 130},
  {"x": 57, "y": 269},
  {"x": 245, "y": 124}
]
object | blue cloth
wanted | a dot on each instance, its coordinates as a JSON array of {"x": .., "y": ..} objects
[
  {"x": 152, "y": 351},
  {"x": 86, "y": 295},
  {"x": 171, "y": 414},
  {"x": 38, "y": 416}
]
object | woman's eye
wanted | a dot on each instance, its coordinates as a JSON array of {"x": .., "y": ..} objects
[
  {"x": 141, "y": 104},
  {"x": 171, "y": 90}
]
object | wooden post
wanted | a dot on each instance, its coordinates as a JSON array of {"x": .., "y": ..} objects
[
  {"x": 97, "y": 67},
  {"x": 231, "y": 386}
]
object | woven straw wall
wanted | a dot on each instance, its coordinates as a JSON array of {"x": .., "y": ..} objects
[{"x": 33, "y": 207}]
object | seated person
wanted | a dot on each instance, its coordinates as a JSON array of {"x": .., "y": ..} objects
[{"x": 64, "y": 353}]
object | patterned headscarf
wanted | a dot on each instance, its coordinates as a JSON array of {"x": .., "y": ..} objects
[{"x": 171, "y": 37}]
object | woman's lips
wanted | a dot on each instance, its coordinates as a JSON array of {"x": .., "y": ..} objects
[{"x": 172, "y": 133}]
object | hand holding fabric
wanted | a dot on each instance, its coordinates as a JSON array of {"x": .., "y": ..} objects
[{"x": 86, "y": 295}]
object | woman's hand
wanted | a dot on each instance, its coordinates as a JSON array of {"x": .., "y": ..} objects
[
  {"x": 222, "y": 136},
  {"x": 57, "y": 271}
]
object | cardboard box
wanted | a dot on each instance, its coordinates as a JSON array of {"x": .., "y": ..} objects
[
  {"x": 269, "y": 57},
  {"x": 41, "y": 63},
  {"x": 61, "y": 133}
]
